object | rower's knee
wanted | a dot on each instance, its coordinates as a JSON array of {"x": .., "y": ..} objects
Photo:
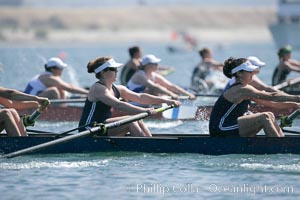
[
  {"x": 13, "y": 111},
  {"x": 52, "y": 93},
  {"x": 5, "y": 113},
  {"x": 268, "y": 117}
]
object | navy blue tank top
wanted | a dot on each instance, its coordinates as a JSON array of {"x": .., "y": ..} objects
[
  {"x": 224, "y": 117},
  {"x": 96, "y": 111}
]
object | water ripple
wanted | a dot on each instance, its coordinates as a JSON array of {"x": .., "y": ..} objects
[{"x": 56, "y": 164}]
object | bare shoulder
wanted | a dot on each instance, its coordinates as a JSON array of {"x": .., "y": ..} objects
[
  {"x": 96, "y": 87},
  {"x": 121, "y": 87},
  {"x": 247, "y": 88}
]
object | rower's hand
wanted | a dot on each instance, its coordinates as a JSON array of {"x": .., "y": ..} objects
[
  {"x": 175, "y": 103},
  {"x": 44, "y": 102},
  {"x": 174, "y": 96},
  {"x": 192, "y": 96},
  {"x": 151, "y": 111}
]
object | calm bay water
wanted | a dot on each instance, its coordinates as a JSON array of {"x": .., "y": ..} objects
[{"x": 137, "y": 175}]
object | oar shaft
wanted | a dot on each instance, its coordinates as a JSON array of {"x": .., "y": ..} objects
[
  {"x": 34, "y": 115},
  {"x": 207, "y": 95},
  {"x": 57, "y": 101},
  {"x": 294, "y": 115},
  {"x": 287, "y": 83},
  {"x": 288, "y": 120}
]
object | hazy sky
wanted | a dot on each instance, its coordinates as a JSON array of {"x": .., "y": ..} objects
[{"x": 103, "y": 3}]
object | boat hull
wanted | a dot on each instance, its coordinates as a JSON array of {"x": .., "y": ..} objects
[{"x": 168, "y": 143}]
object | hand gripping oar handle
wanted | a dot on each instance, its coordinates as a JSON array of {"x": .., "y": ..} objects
[
  {"x": 29, "y": 120},
  {"x": 288, "y": 120},
  {"x": 83, "y": 133}
]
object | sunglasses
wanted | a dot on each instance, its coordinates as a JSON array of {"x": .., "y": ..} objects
[{"x": 113, "y": 69}]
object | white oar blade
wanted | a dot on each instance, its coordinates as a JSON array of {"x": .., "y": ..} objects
[{"x": 182, "y": 112}]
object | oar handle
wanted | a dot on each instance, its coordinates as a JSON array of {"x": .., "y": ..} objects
[
  {"x": 164, "y": 108},
  {"x": 29, "y": 120},
  {"x": 288, "y": 120}
]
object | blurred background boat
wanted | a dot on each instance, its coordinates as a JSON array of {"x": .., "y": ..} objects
[{"x": 287, "y": 28}]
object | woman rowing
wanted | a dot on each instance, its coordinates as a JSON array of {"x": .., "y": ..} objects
[
  {"x": 50, "y": 84},
  {"x": 147, "y": 80},
  {"x": 10, "y": 120},
  {"x": 104, "y": 95},
  {"x": 230, "y": 116}
]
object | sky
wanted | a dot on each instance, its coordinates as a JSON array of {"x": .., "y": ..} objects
[{"x": 124, "y": 3}]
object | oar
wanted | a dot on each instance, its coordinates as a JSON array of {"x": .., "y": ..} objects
[
  {"x": 58, "y": 135},
  {"x": 290, "y": 131},
  {"x": 197, "y": 95},
  {"x": 287, "y": 83},
  {"x": 102, "y": 127},
  {"x": 29, "y": 120},
  {"x": 288, "y": 120},
  {"x": 55, "y": 101},
  {"x": 74, "y": 129},
  {"x": 207, "y": 95}
]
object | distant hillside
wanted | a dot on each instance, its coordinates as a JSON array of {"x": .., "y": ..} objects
[{"x": 39, "y": 23}]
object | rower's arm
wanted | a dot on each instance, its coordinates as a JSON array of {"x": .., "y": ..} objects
[
  {"x": 101, "y": 93},
  {"x": 295, "y": 62},
  {"x": 160, "y": 89},
  {"x": 258, "y": 84},
  {"x": 278, "y": 105},
  {"x": 143, "y": 98},
  {"x": 18, "y": 104},
  {"x": 60, "y": 84},
  {"x": 249, "y": 92},
  {"x": 12, "y": 94},
  {"x": 172, "y": 87},
  {"x": 293, "y": 65}
]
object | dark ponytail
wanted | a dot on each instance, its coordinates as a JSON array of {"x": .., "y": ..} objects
[{"x": 230, "y": 64}]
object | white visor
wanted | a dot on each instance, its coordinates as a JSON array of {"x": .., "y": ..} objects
[
  {"x": 255, "y": 61},
  {"x": 109, "y": 63},
  {"x": 246, "y": 66}
]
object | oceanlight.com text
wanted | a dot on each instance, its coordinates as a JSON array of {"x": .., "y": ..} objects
[{"x": 250, "y": 189}]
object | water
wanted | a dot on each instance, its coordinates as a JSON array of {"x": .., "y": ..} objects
[{"x": 139, "y": 175}]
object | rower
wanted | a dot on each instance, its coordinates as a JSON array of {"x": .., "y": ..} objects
[
  {"x": 132, "y": 65},
  {"x": 285, "y": 66},
  {"x": 12, "y": 99},
  {"x": 50, "y": 84},
  {"x": 206, "y": 72},
  {"x": 148, "y": 80},
  {"x": 230, "y": 116},
  {"x": 104, "y": 95}
]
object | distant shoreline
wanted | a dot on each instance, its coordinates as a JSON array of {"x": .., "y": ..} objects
[{"x": 26, "y": 25}]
